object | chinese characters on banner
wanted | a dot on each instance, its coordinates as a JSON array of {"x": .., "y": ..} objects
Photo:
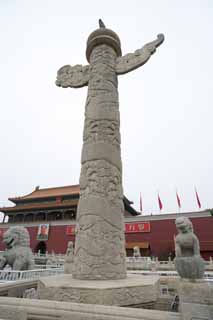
[
  {"x": 129, "y": 227},
  {"x": 43, "y": 232},
  {"x": 137, "y": 227}
]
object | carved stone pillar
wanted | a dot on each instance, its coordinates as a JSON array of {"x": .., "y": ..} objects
[{"x": 100, "y": 247}]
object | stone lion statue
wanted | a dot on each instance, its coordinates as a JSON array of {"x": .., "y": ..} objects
[
  {"x": 18, "y": 254},
  {"x": 188, "y": 261},
  {"x": 136, "y": 252}
]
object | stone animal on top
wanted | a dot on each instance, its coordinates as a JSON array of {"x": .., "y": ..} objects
[
  {"x": 188, "y": 261},
  {"x": 18, "y": 254}
]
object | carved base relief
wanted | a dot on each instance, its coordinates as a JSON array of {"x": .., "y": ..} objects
[{"x": 134, "y": 290}]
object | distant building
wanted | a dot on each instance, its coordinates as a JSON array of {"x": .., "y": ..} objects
[{"x": 49, "y": 215}]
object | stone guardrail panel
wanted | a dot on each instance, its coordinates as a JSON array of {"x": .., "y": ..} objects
[
  {"x": 13, "y": 275},
  {"x": 17, "y": 289},
  {"x": 143, "y": 264}
]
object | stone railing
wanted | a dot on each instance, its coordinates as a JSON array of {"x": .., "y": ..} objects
[
  {"x": 143, "y": 263},
  {"x": 48, "y": 255},
  {"x": 13, "y": 275},
  {"x": 47, "y": 266},
  {"x": 19, "y": 309},
  {"x": 148, "y": 264},
  {"x": 17, "y": 288},
  {"x": 208, "y": 276},
  {"x": 42, "y": 259}
]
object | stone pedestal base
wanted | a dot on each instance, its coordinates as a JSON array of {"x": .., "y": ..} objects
[
  {"x": 132, "y": 291},
  {"x": 23, "y": 309},
  {"x": 196, "y": 299}
]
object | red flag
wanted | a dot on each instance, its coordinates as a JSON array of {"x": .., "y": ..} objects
[
  {"x": 141, "y": 207},
  {"x": 178, "y": 200},
  {"x": 160, "y": 203},
  {"x": 198, "y": 200}
]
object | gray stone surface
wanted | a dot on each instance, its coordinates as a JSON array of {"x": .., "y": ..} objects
[
  {"x": 196, "y": 299},
  {"x": 100, "y": 250},
  {"x": 188, "y": 261},
  {"x": 68, "y": 263},
  {"x": 17, "y": 288},
  {"x": 23, "y": 309},
  {"x": 18, "y": 254},
  {"x": 52, "y": 259},
  {"x": 198, "y": 291},
  {"x": 134, "y": 290},
  {"x": 31, "y": 293},
  {"x": 100, "y": 243},
  {"x": 132, "y": 61},
  {"x": 196, "y": 311}
]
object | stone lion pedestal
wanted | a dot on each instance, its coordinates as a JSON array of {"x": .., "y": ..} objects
[
  {"x": 196, "y": 299},
  {"x": 195, "y": 292},
  {"x": 135, "y": 290}
]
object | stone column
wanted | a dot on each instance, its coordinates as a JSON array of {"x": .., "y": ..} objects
[{"x": 100, "y": 245}]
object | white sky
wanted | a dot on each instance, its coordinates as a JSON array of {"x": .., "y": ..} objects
[{"x": 166, "y": 105}]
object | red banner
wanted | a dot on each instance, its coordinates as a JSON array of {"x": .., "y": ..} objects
[
  {"x": 70, "y": 230},
  {"x": 129, "y": 227},
  {"x": 137, "y": 227},
  {"x": 2, "y": 231}
]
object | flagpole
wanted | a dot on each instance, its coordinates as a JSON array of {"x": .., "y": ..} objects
[
  {"x": 198, "y": 199},
  {"x": 179, "y": 206},
  {"x": 158, "y": 201},
  {"x": 141, "y": 207},
  {"x": 178, "y": 201}
]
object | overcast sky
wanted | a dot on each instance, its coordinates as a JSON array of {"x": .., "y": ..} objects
[{"x": 166, "y": 106}]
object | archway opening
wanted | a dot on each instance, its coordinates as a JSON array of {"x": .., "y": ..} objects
[{"x": 41, "y": 247}]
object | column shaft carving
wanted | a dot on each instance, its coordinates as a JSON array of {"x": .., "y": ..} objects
[{"x": 100, "y": 250}]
